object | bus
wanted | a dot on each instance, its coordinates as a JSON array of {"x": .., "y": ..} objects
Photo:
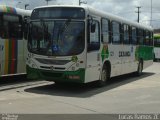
[
  {"x": 13, "y": 47},
  {"x": 156, "y": 47},
  {"x": 80, "y": 44}
]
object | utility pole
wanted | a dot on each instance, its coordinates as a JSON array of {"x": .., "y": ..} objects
[
  {"x": 138, "y": 13},
  {"x": 80, "y": 2},
  {"x": 151, "y": 14},
  {"x": 26, "y": 5},
  {"x": 48, "y": 1}
]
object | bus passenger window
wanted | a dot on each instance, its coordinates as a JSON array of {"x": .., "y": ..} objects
[
  {"x": 105, "y": 31},
  {"x": 126, "y": 34},
  {"x": 1, "y": 27},
  {"x": 12, "y": 26},
  {"x": 134, "y": 36},
  {"x": 141, "y": 37},
  {"x": 116, "y": 32},
  {"x": 5, "y": 30},
  {"x": 147, "y": 38},
  {"x": 94, "y": 37}
]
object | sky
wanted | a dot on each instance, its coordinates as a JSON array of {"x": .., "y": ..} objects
[{"x": 123, "y": 8}]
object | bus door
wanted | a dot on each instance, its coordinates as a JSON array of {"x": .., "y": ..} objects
[{"x": 93, "y": 54}]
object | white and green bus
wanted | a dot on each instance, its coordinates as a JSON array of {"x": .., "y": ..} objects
[
  {"x": 156, "y": 47},
  {"x": 13, "y": 47},
  {"x": 82, "y": 44}
]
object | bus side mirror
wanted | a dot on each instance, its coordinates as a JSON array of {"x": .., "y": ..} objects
[{"x": 93, "y": 28}]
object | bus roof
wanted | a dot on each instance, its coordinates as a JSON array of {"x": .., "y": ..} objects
[
  {"x": 8, "y": 9},
  {"x": 105, "y": 14}
]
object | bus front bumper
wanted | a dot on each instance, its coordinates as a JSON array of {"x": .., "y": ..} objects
[{"x": 56, "y": 76}]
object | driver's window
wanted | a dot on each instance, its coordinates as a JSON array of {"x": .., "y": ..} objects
[{"x": 94, "y": 36}]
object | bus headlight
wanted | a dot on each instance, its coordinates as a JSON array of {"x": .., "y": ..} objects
[
  {"x": 31, "y": 63},
  {"x": 74, "y": 67},
  {"x": 29, "y": 55},
  {"x": 34, "y": 66},
  {"x": 77, "y": 64}
]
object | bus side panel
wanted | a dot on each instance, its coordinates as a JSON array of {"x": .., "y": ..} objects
[
  {"x": 157, "y": 52},
  {"x": 129, "y": 62},
  {"x": 12, "y": 59},
  {"x": 21, "y": 64},
  {"x": 93, "y": 67},
  {"x": 115, "y": 59},
  {"x": 146, "y": 54},
  {"x": 9, "y": 57}
]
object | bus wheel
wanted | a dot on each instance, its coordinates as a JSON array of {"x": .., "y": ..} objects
[
  {"x": 140, "y": 68},
  {"x": 104, "y": 77}
]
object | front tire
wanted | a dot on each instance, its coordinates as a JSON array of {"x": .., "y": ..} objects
[{"x": 105, "y": 76}]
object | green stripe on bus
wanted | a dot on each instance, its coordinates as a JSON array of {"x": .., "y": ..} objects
[{"x": 144, "y": 52}]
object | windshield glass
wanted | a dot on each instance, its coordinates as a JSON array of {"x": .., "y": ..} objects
[{"x": 56, "y": 38}]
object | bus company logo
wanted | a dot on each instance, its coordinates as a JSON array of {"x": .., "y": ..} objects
[
  {"x": 74, "y": 58},
  {"x": 124, "y": 54}
]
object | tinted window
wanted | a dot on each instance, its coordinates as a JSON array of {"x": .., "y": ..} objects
[
  {"x": 105, "y": 30},
  {"x": 94, "y": 36},
  {"x": 147, "y": 38},
  {"x": 140, "y": 36},
  {"x": 134, "y": 36},
  {"x": 126, "y": 34},
  {"x": 116, "y": 32},
  {"x": 11, "y": 26}
]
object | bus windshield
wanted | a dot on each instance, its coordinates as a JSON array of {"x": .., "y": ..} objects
[{"x": 56, "y": 37}]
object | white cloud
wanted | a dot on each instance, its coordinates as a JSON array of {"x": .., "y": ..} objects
[{"x": 124, "y": 8}]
